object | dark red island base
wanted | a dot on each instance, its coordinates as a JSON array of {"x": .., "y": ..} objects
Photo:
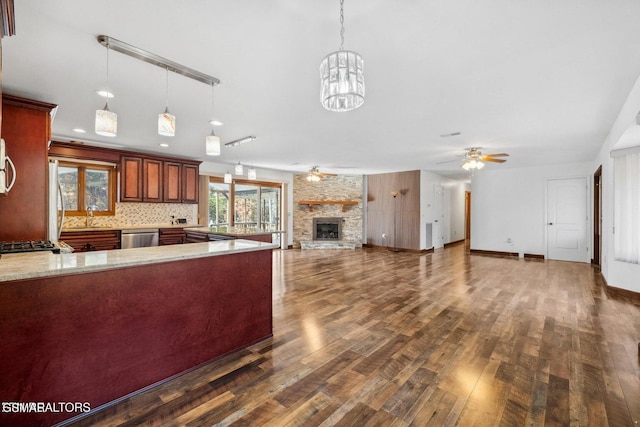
[{"x": 94, "y": 337}]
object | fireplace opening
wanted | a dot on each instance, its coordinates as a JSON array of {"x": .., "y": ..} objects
[{"x": 327, "y": 228}]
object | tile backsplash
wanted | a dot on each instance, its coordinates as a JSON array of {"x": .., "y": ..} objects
[{"x": 139, "y": 214}]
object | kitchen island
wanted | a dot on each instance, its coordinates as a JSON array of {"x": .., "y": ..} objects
[{"x": 90, "y": 328}]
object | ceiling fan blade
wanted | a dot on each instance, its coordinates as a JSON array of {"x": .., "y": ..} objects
[
  {"x": 497, "y": 155},
  {"x": 448, "y": 161},
  {"x": 491, "y": 159}
]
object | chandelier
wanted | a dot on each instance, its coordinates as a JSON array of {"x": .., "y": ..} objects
[{"x": 342, "y": 77}]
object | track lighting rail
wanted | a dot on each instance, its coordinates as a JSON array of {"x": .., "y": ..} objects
[{"x": 151, "y": 58}]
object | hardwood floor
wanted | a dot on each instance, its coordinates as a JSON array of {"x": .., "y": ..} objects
[{"x": 376, "y": 338}]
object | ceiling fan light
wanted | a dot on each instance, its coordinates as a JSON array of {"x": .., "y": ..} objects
[
  {"x": 473, "y": 164},
  {"x": 106, "y": 122},
  {"x": 465, "y": 165},
  {"x": 479, "y": 165},
  {"x": 212, "y": 144}
]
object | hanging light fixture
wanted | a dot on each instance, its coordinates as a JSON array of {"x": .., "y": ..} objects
[
  {"x": 239, "y": 169},
  {"x": 228, "y": 178},
  {"x": 106, "y": 120},
  {"x": 166, "y": 120},
  {"x": 342, "y": 77},
  {"x": 212, "y": 142},
  {"x": 251, "y": 173}
]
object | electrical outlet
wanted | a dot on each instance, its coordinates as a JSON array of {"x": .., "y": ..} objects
[{"x": 509, "y": 240}]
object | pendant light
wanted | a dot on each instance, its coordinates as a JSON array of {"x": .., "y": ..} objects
[
  {"x": 212, "y": 142},
  {"x": 228, "y": 178},
  {"x": 342, "y": 77},
  {"x": 251, "y": 174},
  {"x": 106, "y": 120},
  {"x": 166, "y": 120},
  {"x": 239, "y": 169}
]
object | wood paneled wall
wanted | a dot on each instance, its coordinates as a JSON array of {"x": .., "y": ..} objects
[{"x": 382, "y": 207}]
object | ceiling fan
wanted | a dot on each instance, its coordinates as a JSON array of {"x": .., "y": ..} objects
[
  {"x": 474, "y": 159},
  {"x": 314, "y": 174}
]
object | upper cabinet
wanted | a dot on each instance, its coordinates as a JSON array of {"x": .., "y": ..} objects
[
  {"x": 143, "y": 178},
  {"x": 26, "y": 130},
  {"x": 154, "y": 180},
  {"x": 180, "y": 182},
  {"x": 131, "y": 179}
]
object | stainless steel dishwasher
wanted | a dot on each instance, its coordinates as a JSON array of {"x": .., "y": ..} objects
[{"x": 139, "y": 238}]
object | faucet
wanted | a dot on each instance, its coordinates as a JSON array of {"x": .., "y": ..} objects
[{"x": 89, "y": 215}]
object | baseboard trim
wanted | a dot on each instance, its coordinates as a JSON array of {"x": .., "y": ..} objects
[
  {"x": 504, "y": 254},
  {"x": 631, "y": 296},
  {"x": 387, "y": 248},
  {"x": 457, "y": 242}
]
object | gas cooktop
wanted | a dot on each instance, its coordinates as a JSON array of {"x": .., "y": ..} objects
[{"x": 27, "y": 246}]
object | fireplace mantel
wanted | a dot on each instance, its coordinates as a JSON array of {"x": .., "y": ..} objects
[{"x": 344, "y": 203}]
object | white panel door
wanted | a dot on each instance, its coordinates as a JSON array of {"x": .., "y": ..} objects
[{"x": 567, "y": 219}]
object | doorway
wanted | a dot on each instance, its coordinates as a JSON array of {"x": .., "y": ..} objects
[
  {"x": 467, "y": 220},
  {"x": 597, "y": 217},
  {"x": 567, "y": 218}
]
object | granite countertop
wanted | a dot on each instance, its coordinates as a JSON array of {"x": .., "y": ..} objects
[
  {"x": 127, "y": 227},
  {"x": 44, "y": 264},
  {"x": 225, "y": 230}
]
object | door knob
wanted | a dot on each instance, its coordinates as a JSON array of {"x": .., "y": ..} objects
[{"x": 550, "y": 223}]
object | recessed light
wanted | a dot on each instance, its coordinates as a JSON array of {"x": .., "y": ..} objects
[
  {"x": 79, "y": 130},
  {"x": 105, "y": 93},
  {"x": 216, "y": 122},
  {"x": 164, "y": 144}
]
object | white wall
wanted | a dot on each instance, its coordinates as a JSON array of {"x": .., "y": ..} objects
[
  {"x": 448, "y": 210},
  {"x": 269, "y": 175},
  {"x": 618, "y": 274},
  {"x": 509, "y": 204}
]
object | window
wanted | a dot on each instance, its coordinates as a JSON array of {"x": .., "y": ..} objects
[
  {"x": 87, "y": 186},
  {"x": 218, "y": 203},
  {"x": 248, "y": 204},
  {"x": 627, "y": 207}
]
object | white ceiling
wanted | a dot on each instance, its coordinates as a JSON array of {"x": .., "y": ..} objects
[{"x": 542, "y": 80}]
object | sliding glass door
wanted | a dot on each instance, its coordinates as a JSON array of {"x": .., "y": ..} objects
[{"x": 246, "y": 204}]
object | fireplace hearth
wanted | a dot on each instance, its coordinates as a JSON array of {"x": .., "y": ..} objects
[{"x": 327, "y": 228}]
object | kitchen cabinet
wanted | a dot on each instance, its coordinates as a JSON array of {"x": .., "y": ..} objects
[
  {"x": 172, "y": 182},
  {"x": 152, "y": 180},
  {"x": 189, "y": 183},
  {"x": 147, "y": 179},
  {"x": 171, "y": 236},
  {"x": 131, "y": 179},
  {"x": 180, "y": 182},
  {"x": 85, "y": 241},
  {"x": 26, "y": 129}
]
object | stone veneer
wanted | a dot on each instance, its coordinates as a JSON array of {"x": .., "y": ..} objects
[
  {"x": 340, "y": 187},
  {"x": 139, "y": 214}
]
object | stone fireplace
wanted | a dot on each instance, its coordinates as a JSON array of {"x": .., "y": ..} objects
[
  {"x": 345, "y": 229},
  {"x": 327, "y": 228}
]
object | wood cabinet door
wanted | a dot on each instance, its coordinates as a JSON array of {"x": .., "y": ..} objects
[
  {"x": 26, "y": 131},
  {"x": 172, "y": 182},
  {"x": 152, "y": 180},
  {"x": 131, "y": 179},
  {"x": 189, "y": 184}
]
